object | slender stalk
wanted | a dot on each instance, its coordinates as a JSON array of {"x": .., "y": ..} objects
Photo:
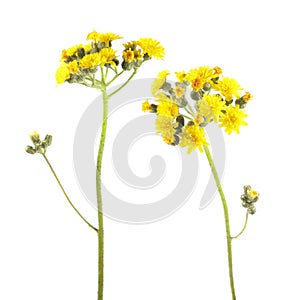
[
  {"x": 67, "y": 197},
  {"x": 115, "y": 77},
  {"x": 124, "y": 84},
  {"x": 105, "y": 98},
  {"x": 106, "y": 73},
  {"x": 245, "y": 225},
  {"x": 99, "y": 196},
  {"x": 226, "y": 216}
]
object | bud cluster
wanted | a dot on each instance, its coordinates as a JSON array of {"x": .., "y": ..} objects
[
  {"x": 39, "y": 146},
  {"x": 249, "y": 198}
]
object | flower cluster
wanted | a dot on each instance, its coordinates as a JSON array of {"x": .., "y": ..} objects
[
  {"x": 249, "y": 198},
  {"x": 79, "y": 63},
  {"x": 40, "y": 146},
  {"x": 197, "y": 98}
]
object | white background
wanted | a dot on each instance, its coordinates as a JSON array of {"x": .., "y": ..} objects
[{"x": 46, "y": 251}]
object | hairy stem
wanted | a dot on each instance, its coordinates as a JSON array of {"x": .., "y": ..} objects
[
  {"x": 99, "y": 196},
  {"x": 226, "y": 216}
]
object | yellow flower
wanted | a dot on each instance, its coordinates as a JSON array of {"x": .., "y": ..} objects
[
  {"x": 193, "y": 137},
  {"x": 66, "y": 53},
  {"x": 181, "y": 76},
  {"x": 156, "y": 85},
  {"x": 247, "y": 97},
  {"x": 218, "y": 70},
  {"x": 103, "y": 37},
  {"x": 90, "y": 61},
  {"x": 152, "y": 47},
  {"x": 253, "y": 194},
  {"x": 62, "y": 73},
  {"x": 87, "y": 47},
  {"x": 108, "y": 37},
  {"x": 228, "y": 87},
  {"x": 146, "y": 106},
  {"x": 167, "y": 108},
  {"x": 73, "y": 67},
  {"x": 211, "y": 107},
  {"x": 197, "y": 84},
  {"x": 128, "y": 55},
  {"x": 35, "y": 135},
  {"x": 163, "y": 74},
  {"x": 158, "y": 82},
  {"x": 105, "y": 56},
  {"x": 233, "y": 119},
  {"x": 164, "y": 127},
  {"x": 138, "y": 55},
  {"x": 198, "y": 77},
  {"x": 130, "y": 45},
  {"x": 93, "y": 36},
  {"x": 198, "y": 119}
]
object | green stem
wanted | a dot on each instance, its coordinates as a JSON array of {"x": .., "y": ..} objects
[
  {"x": 67, "y": 197},
  {"x": 102, "y": 75},
  {"x": 106, "y": 73},
  {"x": 226, "y": 216},
  {"x": 245, "y": 225},
  {"x": 115, "y": 77},
  {"x": 99, "y": 196},
  {"x": 105, "y": 98},
  {"x": 124, "y": 84}
]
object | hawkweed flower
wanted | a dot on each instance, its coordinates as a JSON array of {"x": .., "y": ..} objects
[
  {"x": 97, "y": 64},
  {"x": 198, "y": 98},
  {"x": 81, "y": 62}
]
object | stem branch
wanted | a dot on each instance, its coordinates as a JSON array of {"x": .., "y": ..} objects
[
  {"x": 245, "y": 225},
  {"x": 67, "y": 197},
  {"x": 124, "y": 84}
]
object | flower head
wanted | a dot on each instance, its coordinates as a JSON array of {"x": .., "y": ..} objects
[
  {"x": 81, "y": 63},
  {"x": 181, "y": 76},
  {"x": 105, "y": 38},
  {"x": 214, "y": 98},
  {"x": 105, "y": 56},
  {"x": 193, "y": 137},
  {"x": 73, "y": 67},
  {"x": 152, "y": 48},
  {"x": 198, "y": 77},
  {"x": 211, "y": 107},
  {"x": 146, "y": 106},
  {"x": 247, "y": 97},
  {"x": 233, "y": 118},
  {"x": 163, "y": 74},
  {"x": 34, "y": 136},
  {"x": 228, "y": 87},
  {"x": 167, "y": 108},
  {"x": 128, "y": 55},
  {"x": 62, "y": 73},
  {"x": 164, "y": 127}
]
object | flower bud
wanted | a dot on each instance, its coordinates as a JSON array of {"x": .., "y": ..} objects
[
  {"x": 195, "y": 95},
  {"x": 206, "y": 86},
  {"x": 30, "y": 150}
]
